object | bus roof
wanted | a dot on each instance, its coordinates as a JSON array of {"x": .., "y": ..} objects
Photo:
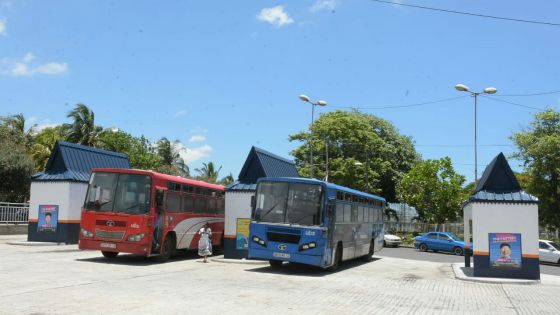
[
  {"x": 320, "y": 182},
  {"x": 172, "y": 178}
]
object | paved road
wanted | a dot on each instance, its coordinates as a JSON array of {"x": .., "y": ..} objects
[
  {"x": 410, "y": 253},
  {"x": 63, "y": 280}
]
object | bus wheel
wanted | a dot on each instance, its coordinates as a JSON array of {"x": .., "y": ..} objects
[
  {"x": 109, "y": 255},
  {"x": 337, "y": 258},
  {"x": 275, "y": 264},
  {"x": 167, "y": 248},
  {"x": 369, "y": 256}
]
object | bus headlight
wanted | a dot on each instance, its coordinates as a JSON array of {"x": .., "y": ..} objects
[
  {"x": 86, "y": 233},
  {"x": 259, "y": 241},
  {"x": 308, "y": 246},
  {"x": 135, "y": 237}
]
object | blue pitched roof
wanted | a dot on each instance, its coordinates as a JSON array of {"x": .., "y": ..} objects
[
  {"x": 74, "y": 162},
  {"x": 499, "y": 184},
  {"x": 261, "y": 163}
]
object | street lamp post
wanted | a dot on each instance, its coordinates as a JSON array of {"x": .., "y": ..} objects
[
  {"x": 488, "y": 90},
  {"x": 306, "y": 99}
]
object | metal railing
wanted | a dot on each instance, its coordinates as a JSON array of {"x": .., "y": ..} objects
[
  {"x": 14, "y": 212},
  {"x": 454, "y": 227}
]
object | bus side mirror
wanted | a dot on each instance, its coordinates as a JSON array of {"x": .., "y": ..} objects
[
  {"x": 253, "y": 202},
  {"x": 159, "y": 200}
]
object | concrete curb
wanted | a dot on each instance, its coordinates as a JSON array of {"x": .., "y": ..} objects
[
  {"x": 26, "y": 243},
  {"x": 221, "y": 259},
  {"x": 459, "y": 270}
]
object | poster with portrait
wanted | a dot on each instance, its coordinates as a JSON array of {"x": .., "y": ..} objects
[
  {"x": 242, "y": 234},
  {"x": 48, "y": 218},
  {"x": 505, "y": 250}
]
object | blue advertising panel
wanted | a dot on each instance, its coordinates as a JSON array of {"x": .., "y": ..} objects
[
  {"x": 505, "y": 250},
  {"x": 48, "y": 218}
]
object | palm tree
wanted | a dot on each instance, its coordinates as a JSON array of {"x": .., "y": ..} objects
[
  {"x": 208, "y": 172},
  {"x": 16, "y": 123},
  {"x": 43, "y": 144},
  {"x": 227, "y": 180},
  {"x": 168, "y": 152},
  {"x": 83, "y": 129}
]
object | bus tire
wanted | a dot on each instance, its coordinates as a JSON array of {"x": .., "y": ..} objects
[
  {"x": 109, "y": 255},
  {"x": 369, "y": 256},
  {"x": 275, "y": 264},
  {"x": 167, "y": 249},
  {"x": 337, "y": 258}
]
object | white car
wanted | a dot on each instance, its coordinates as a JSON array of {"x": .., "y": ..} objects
[
  {"x": 549, "y": 251},
  {"x": 391, "y": 240}
]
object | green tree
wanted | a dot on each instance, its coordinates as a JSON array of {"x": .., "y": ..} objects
[
  {"x": 384, "y": 155},
  {"x": 17, "y": 124},
  {"x": 539, "y": 149},
  {"x": 83, "y": 129},
  {"x": 208, "y": 172},
  {"x": 435, "y": 189},
  {"x": 227, "y": 180},
  {"x": 170, "y": 158},
  {"x": 16, "y": 166},
  {"x": 42, "y": 146},
  {"x": 141, "y": 152}
]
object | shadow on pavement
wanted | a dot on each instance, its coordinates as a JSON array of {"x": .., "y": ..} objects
[
  {"x": 139, "y": 260},
  {"x": 295, "y": 269}
]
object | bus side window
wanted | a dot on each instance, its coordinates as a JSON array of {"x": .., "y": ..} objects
[
  {"x": 339, "y": 212},
  {"x": 220, "y": 205},
  {"x": 199, "y": 204},
  {"x": 173, "y": 202},
  {"x": 361, "y": 214},
  {"x": 347, "y": 213},
  {"x": 188, "y": 205},
  {"x": 211, "y": 203}
]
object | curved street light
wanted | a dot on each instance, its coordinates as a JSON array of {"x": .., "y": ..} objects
[
  {"x": 488, "y": 90},
  {"x": 306, "y": 99}
]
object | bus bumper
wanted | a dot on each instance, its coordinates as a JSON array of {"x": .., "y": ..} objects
[
  {"x": 120, "y": 247},
  {"x": 263, "y": 254}
]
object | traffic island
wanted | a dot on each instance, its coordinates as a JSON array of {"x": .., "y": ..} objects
[{"x": 467, "y": 274}]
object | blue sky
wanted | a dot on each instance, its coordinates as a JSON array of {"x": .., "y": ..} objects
[{"x": 221, "y": 76}]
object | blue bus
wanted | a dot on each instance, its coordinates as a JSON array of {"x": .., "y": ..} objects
[{"x": 313, "y": 222}]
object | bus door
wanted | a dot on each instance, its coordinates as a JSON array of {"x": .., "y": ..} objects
[{"x": 156, "y": 234}]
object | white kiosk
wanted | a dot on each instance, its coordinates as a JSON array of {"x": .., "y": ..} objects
[
  {"x": 58, "y": 193},
  {"x": 259, "y": 163},
  {"x": 502, "y": 225}
]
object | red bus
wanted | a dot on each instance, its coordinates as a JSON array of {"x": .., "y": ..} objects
[{"x": 148, "y": 213}]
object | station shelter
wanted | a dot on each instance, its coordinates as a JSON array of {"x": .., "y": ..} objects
[
  {"x": 502, "y": 225},
  {"x": 259, "y": 163},
  {"x": 58, "y": 193}
]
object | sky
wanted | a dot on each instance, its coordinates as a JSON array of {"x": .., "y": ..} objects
[{"x": 222, "y": 76}]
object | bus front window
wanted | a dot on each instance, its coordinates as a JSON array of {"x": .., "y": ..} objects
[
  {"x": 294, "y": 203},
  {"x": 115, "y": 192}
]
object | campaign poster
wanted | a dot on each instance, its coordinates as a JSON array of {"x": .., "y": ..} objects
[
  {"x": 48, "y": 218},
  {"x": 505, "y": 250},
  {"x": 242, "y": 234}
]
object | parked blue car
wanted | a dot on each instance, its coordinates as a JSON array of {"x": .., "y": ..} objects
[{"x": 440, "y": 241}]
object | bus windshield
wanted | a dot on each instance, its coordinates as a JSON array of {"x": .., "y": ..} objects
[
  {"x": 294, "y": 203},
  {"x": 116, "y": 192}
]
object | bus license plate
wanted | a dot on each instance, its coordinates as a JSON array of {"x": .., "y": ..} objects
[
  {"x": 108, "y": 245},
  {"x": 281, "y": 255}
]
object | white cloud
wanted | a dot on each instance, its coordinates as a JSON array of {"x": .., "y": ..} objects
[
  {"x": 190, "y": 155},
  {"x": 180, "y": 113},
  {"x": 275, "y": 16},
  {"x": 319, "y": 5},
  {"x": 2, "y": 27},
  {"x": 197, "y": 138},
  {"x": 23, "y": 67}
]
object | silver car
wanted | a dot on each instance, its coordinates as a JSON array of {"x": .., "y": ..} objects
[
  {"x": 391, "y": 240},
  {"x": 549, "y": 252}
]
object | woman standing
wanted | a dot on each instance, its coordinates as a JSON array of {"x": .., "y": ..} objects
[{"x": 205, "y": 242}]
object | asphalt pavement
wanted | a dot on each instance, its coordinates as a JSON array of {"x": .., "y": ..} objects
[{"x": 414, "y": 254}]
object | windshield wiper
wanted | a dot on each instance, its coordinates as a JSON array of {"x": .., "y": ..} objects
[
  {"x": 125, "y": 210},
  {"x": 305, "y": 216},
  {"x": 269, "y": 210}
]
